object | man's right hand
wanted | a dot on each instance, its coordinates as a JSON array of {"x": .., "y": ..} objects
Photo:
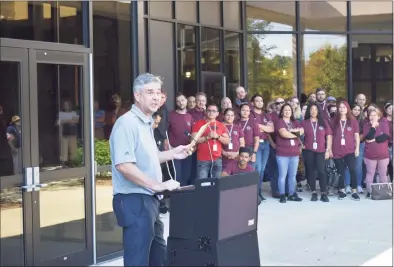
[{"x": 169, "y": 185}]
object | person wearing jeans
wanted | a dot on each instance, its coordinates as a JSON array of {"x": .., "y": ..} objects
[
  {"x": 346, "y": 147},
  {"x": 265, "y": 126},
  {"x": 210, "y": 144},
  {"x": 376, "y": 148},
  {"x": 318, "y": 143},
  {"x": 288, "y": 149}
]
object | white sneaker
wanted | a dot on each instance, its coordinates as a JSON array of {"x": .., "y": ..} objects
[
  {"x": 348, "y": 189},
  {"x": 360, "y": 190}
]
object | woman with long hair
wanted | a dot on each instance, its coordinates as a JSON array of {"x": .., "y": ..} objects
[
  {"x": 359, "y": 116},
  {"x": 376, "y": 156},
  {"x": 295, "y": 105},
  {"x": 288, "y": 149},
  {"x": 237, "y": 140},
  {"x": 346, "y": 147},
  {"x": 317, "y": 148},
  {"x": 388, "y": 112}
]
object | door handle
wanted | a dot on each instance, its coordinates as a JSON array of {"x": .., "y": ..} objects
[
  {"x": 36, "y": 179},
  {"x": 28, "y": 177}
]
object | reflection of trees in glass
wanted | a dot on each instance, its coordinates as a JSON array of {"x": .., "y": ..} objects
[
  {"x": 326, "y": 68},
  {"x": 273, "y": 75}
]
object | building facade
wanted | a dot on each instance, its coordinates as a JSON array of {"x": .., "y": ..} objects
[{"x": 67, "y": 68}]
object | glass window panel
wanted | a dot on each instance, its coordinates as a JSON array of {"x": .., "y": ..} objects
[
  {"x": 160, "y": 9},
  {"x": 186, "y": 11},
  {"x": 49, "y": 21},
  {"x": 272, "y": 69},
  {"x": 232, "y": 15},
  {"x": 384, "y": 92},
  {"x": 60, "y": 116},
  {"x": 324, "y": 64},
  {"x": 361, "y": 61},
  {"x": 270, "y": 16},
  {"x": 210, "y": 49},
  {"x": 384, "y": 62},
  {"x": 210, "y": 13},
  {"x": 186, "y": 47},
  {"x": 372, "y": 16},
  {"x": 112, "y": 64},
  {"x": 323, "y": 15},
  {"x": 62, "y": 223},
  {"x": 232, "y": 63}
]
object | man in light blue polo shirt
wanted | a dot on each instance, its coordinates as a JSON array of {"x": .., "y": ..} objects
[{"x": 136, "y": 176}]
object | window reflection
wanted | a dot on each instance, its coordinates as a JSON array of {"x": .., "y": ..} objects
[
  {"x": 232, "y": 63},
  {"x": 324, "y": 64},
  {"x": 186, "y": 47},
  {"x": 270, "y": 16},
  {"x": 372, "y": 16},
  {"x": 50, "y": 21},
  {"x": 323, "y": 15},
  {"x": 210, "y": 50},
  {"x": 272, "y": 65}
]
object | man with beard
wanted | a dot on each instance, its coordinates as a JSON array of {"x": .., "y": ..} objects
[
  {"x": 266, "y": 126},
  {"x": 240, "y": 166},
  {"x": 198, "y": 113},
  {"x": 241, "y": 98},
  {"x": 225, "y": 103},
  {"x": 361, "y": 100},
  {"x": 180, "y": 123}
]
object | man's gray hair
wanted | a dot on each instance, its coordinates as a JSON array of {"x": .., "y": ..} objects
[{"x": 144, "y": 79}]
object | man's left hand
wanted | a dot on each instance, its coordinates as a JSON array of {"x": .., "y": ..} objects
[{"x": 180, "y": 152}]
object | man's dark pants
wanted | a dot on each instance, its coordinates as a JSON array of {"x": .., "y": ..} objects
[{"x": 143, "y": 242}]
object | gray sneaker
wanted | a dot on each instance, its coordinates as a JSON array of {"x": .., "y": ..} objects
[
  {"x": 348, "y": 189},
  {"x": 360, "y": 190}
]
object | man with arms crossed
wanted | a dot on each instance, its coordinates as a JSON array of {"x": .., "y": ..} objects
[{"x": 137, "y": 176}]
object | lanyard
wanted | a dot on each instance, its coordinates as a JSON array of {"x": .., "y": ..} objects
[
  {"x": 246, "y": 123},
  {"x": 231, "y": 130},
  {"x": 289, "y": 126},
  {"x": 343, "y": 128},
  {"x": 211, "y": 128},
  {"x": 314, "y": 128}
]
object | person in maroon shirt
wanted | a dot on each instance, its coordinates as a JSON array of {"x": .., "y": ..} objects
[
  {"x": 198, "y": 113},
  {"x": 376, "y": 154},
  {"x": 346, "y": 145},
  {"x": 237, "y": 140},
  {"x": 388, "y": 107},
  {"x": 288, "y": 150},
  {"x": 180, "y": 122},
  {"x": 225, "y": 103},
  {"x": 250, "y": 130},
  {"x": 241, "y": 165},
  {"x": 266, "y": 126},
  {"x": 317, "y": 148}
]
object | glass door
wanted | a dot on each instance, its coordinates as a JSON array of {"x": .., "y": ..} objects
[
  {"x": 62, "y": 213},
  {"x": 213, "y": 84},
  {"x": 15, "y": 160}
]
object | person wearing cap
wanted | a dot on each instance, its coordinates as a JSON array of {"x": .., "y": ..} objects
[{"x": 14, "y": 141}]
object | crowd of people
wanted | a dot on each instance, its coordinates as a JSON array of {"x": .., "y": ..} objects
[{"x": 286, "y": 141}]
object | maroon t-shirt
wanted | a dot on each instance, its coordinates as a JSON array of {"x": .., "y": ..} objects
[
  {"x": 287, "y": 147},
  {"x": 235, "y": 133},
  {"x": 321, "y": 133},
  {"x": 233, "y": 168},
  {"x": 250, "y": 130},
  {"x": 263, "y": 119},
  {"x": 373, "y": 150},
  {"x": 274, "y": 117},
  {"x": 196, "y": 114},
  {"x": 178, "y": 124},
  {"x": 339, "y": 150},
  {"x": 220, "y": 117},
  {"x": 390, "y": 125}
]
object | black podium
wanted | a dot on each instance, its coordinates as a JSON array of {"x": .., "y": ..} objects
[{"x": 214, "y": 223}]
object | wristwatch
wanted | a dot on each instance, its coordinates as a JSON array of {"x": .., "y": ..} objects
[{"x": 254, "y": 152}]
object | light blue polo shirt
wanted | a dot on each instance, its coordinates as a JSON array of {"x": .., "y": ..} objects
[{"x": 132, "y": 141}]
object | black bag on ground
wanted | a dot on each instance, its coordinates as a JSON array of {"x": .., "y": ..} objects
[
  {"x": 381, "y": 191},
  {"x": 332, "y": 174}
]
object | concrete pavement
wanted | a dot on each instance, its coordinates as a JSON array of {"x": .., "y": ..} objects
[{"x": 339, "y": 233}]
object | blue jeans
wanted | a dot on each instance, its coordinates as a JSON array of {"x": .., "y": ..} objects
[
  {"x": 183, "y": 169},
  {"x": 287, "y": 167},
  {"x": 143, "y": 242},
  {"x": 271, "y": 171},
  {"x": 359, "y": 168},
  {"x": 261, "y": 160},
  {"x": 204, "y": 169}
]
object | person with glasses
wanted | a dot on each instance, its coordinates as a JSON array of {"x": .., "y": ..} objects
[{"x": 210, "y": 144}]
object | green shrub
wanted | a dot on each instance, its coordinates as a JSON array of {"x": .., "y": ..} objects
[{"x": 101, "y": 154}]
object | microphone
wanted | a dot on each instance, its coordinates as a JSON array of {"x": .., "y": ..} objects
[{"x": 189, "y": 135}]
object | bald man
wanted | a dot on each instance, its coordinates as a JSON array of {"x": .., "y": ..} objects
[
  {"x": 241, "y": 98},
  {"x": 225, "y": 103},
  {"x": 361, "y": 100}
]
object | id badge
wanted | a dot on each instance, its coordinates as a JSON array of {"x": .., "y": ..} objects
[
  {"x": 230, "y": 146},
  {"x": 292, "y": 143},
  {"x": 314, "y": 145},
  {"x": 215, "y": 147},
  {"x": 343, "y": 142}
]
